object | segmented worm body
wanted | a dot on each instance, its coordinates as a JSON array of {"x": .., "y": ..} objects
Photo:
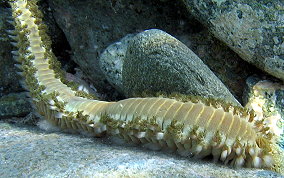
[{"x": 192, "y": 128}]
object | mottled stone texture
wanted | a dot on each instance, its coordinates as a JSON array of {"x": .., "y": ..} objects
[
  {"x": 111, "y": 61},
  {"x": 155, "y": 61},
  {"x": 14, "y": 105},
  {"x": 91, "y": 26},
  {"x": 253, "y": 29}
]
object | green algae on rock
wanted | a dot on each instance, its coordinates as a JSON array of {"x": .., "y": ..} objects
[
  {"x": 253, "y": 29},
  {"x": 156, "y": 61},
  {"x": 111, "y": 61}
]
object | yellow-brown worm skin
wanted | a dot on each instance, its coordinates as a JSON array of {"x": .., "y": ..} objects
[{"x": 192, "y": 128}]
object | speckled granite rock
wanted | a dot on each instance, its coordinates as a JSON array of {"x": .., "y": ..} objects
[
  {"x": 30, "y": 152},
  {"x": 14, "y": 105},
  {"x": 266, "y": 98},
  {"x": 253, "y": 29},
  {"x": 111, "y": 61},
  {"x": 155, "y": 61}
]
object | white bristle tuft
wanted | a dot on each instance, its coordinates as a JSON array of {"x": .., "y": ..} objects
[
  {"x": 14, "y": 44},
  {"x": 103, "y": 128},
  {"x": 81, "y": 88},
  {"x": 251, "y": 151},
  {"x": 256, "y": 162},
  {"x": 11, "y": 32},
  {"x": 140, "y": 134},
  {"x": 58, "y": 115},
  {"x": 45, "y": 125},
  {"x": 19, "y": 66},
  {"x": 13, "y": 37},
  {"x": 20, "y": 74},
  {"x": 267, "y": 161},
  {"x": 28, "y": 94},
  {"x": 16, "y": 58},
  {"x": 34, "y": 100},
  {"x": 86, "y": 90},
  {"x": 16, "y": 53},
  {"x": 11, "y": 22},
  {"x": 122, "y": 125},
  {"x": 23, "y": 84},
  {"x": 160, "y": 136},
  {"x": 239, "y": 161},
  {"x": 51, "y": 102},
  {"x": 52, "y": 107},
  {"x": 197, "y": 149},
  {"x": 224, "y": 155},
  {"x": 238, "y": 151},
  {"x": 59, "y": 99}
]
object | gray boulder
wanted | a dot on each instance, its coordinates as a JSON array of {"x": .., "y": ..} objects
[
  {"x": 253, "y": 29},
  {"x": 155, "y": 61},
  {"x": 89, "y": 31},
  {"x": 14, "y": 105},
  {"x": 90, "y": 26},
  {"x": 111, "y": 61}
]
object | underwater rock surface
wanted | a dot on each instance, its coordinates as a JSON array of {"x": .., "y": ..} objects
[
  {"x": 253, "y": 29},
  {"x": 91, "y": 26},
  {"x": 111, "y": 61},
  {"x": 14, "y": 105},
  {"x": 30, "y": 152},
  {"x": 155, "y": 61}
]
